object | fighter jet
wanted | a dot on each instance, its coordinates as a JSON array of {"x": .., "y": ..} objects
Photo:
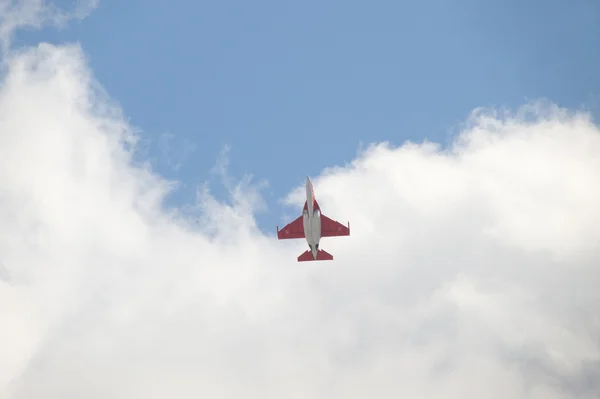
[{"x": 313, "y": 225}]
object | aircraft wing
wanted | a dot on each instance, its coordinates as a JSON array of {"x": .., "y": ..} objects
[
  {"x": 332, "y": 228},
  {"x": 294, "y": 229}
]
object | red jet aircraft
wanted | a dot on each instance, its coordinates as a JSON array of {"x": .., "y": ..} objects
[{"x": 313, "y": 225}]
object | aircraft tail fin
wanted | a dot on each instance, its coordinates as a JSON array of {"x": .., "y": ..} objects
[{"x": 307, "y": 256}]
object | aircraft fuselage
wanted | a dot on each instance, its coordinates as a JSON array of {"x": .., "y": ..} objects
[{"x": 311, "y": 218}]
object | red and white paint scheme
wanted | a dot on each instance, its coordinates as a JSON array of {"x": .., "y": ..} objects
[{"x": 313, "y": 225}]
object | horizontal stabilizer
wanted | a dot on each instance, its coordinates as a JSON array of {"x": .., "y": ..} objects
[{"x": 307, "y": 256}]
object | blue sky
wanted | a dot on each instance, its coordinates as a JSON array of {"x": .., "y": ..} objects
[{"x": 296, "y": 87}]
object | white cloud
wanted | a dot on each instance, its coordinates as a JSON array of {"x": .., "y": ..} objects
[
  {"x": 17, "y": 14},
  {"x": 470, "y": 272}
]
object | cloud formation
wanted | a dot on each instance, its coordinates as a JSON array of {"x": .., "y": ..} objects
[
  {"x": 471, "y": 271},
  {"x": 18, "y": 14}
]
